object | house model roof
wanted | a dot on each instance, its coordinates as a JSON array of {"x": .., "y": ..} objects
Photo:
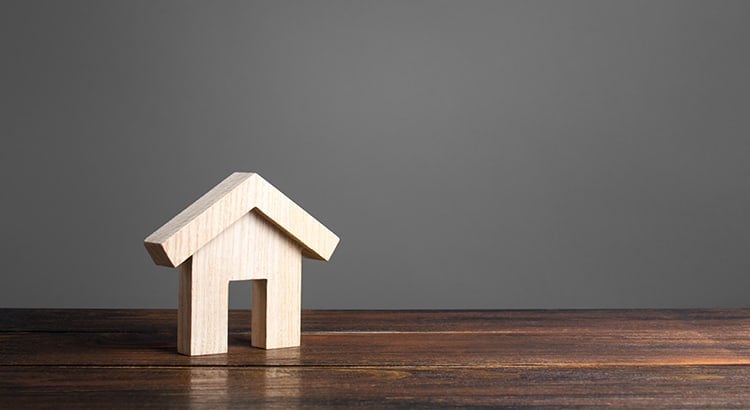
[{"x": 215, "y": 211}]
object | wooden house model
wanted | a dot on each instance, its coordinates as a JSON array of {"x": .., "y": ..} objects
[{"x": 244, "y": 228}]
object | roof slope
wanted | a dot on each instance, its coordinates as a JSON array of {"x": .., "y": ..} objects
[{"x": 223, "y": 205}]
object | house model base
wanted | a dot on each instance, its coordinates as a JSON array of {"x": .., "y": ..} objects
[{"x": 243, "y": 229}]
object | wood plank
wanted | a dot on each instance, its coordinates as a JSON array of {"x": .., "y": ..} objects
[
  {"x": 212, "y": 387},
  {"x": 641, "y": 358},
  {"x": 551, "y": 321},
  {"x": 685, "y": 345}
]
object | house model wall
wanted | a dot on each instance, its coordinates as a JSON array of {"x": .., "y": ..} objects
[{"x": 244, "y": 228}]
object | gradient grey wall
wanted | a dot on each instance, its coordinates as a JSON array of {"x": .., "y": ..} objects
[{"x": 470, "y": 154}]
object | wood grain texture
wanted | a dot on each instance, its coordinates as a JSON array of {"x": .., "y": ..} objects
[
  {"x": 251, "y": 248},
  {"x": 214, "y": 212},
  {"x": 277, "y": 301},
  {"x": 242, "y": 229},
  {"x": 629, "y": 358},
  {"x": 378, "y": 387}
]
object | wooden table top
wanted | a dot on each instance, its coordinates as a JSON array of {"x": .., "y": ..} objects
[{"x": 637, "y": 358}]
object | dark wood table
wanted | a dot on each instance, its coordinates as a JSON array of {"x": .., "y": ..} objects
[{"x": 127, "y": 358}]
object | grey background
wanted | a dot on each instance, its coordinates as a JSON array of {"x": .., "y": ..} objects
[{"x": 470, "y": 154}]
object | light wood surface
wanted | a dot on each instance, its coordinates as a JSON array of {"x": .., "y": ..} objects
[
  {"x": 214, "y": 212},
  {"x": 243, "y": 229},
  {"x": 384, "y": 359},
  {"x": 254, "y": 249}
]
